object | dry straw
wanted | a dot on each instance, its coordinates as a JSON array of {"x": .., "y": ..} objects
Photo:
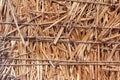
[{"x": 59, "y": 39}]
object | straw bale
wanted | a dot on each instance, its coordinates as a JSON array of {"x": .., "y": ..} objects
[{"x": 59, "y": 39}]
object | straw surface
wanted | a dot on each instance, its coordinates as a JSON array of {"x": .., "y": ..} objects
[{"x": 59, "y": 39}]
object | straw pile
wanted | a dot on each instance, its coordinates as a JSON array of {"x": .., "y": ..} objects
[{"x": 59, "y": 39}]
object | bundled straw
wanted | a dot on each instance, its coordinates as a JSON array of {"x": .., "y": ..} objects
[{"x": 59, "y": 39}]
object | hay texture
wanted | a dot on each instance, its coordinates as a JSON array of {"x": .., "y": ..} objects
[{"x": 59, "y": 39}]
